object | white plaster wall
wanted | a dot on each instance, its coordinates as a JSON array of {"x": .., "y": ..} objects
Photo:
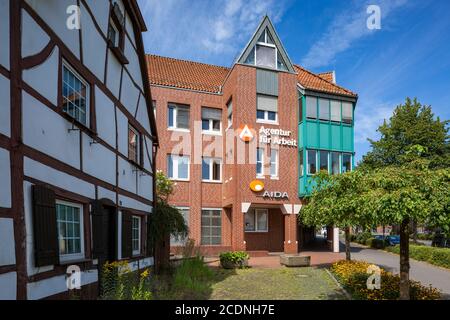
[
  {"x": 47, "y": 131},
  {"x": 127, "y": 178},
  {"x": 148, "y": 154},
  {"x": 100, "y": 9},
  {"x": 5, "y": 182},
  {"x": 142, "y": 115},
  {"x": 34, "y": 39},
  {"x": 127, "y": 202},
  {"x": 4, "y": 33},
  {"x": 94, "y": 47},
  {"x": 57, "y": 178},
  {"x": 129, "y": 94},
  {"x": 129, "y": 28},
  {"x": 53, "y": 12},
  {"x": 98, "y": 161},
  {"x": 134, "y": 66},
  {"x": 122, "y": 130},
  {"x": 44, "y": 78},
  {"x": 106, "y": 122},
  {"x": 48, "y": 287},
  {"x": 105, "y": 193},
  {"x": 113, "y": 74},
  {"x": 5, "y": 105},
  {"x": 28, "y": 207},
  {"x": 8, "y": 251},
  {"x": 145, "y": 187},
  {"x": 8, "y": 282}
]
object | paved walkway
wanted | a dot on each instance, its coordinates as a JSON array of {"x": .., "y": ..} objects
[{"x": 424, "y": 272}]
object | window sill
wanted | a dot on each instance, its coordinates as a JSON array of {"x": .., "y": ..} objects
[
  {"x": 257, "y": 231},
  {"x": 211, "y": 133},
  {"x": 119, "y": 54},
  {"x": 179, "y": 130},
  {"x": 73, "y": 261},
  {"x": 79, "y": 126},
  {"x": 260, "y": 177},
  {"x": 275, "y": 123},
  {"x": 212, "y": 181},
  {"x": 274, "y": 178},
  {"x": 179, "y": 180}
]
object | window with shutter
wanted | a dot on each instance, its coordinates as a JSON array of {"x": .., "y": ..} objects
[
  {"x": 127, "y": 249},
  {"x": 98, "y": 231},
  {"x": 44, "y": 227}
]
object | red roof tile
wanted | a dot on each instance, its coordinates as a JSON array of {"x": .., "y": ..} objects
[
  {"x": 185, "y": 74},
  {"x": 209, "y": 78}
]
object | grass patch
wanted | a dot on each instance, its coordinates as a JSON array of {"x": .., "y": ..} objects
[{"x": 437, "y": 256}]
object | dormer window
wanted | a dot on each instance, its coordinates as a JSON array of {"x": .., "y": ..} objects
[{"x": 266, "y": 51}]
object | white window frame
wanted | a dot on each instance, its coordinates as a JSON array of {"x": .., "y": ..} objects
[
  {"x": 175, "y": 108},
  {"x": 266, "y": 117},
  {"x": 117, "y": 38},
  {"x": 276, "y": 163},
  {"x": 138, "y": 143},
  {"x": 307, "y": 161},
  {"x": 210, "y": 129},
  {"x": 210, "y": 226},
  {"x": 229, "y": 117},
  {"x": 66, "y": 65},
  {"x": 260, "y": 174},
  {"x": 351, "y": 161},
  {"x": 175, "y": 159},
  {"x": 180, "y": 241},
  {"x": 73, "y": 256},
  {"x": 267, "y": 45},
  {"x": 258, "y": 212},
  {"x": 136, "y": 252},
  {"x": 209, "y": 160}
]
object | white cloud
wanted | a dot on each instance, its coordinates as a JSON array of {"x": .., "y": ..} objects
[
  {"x": 368, "y": 117},
  {"x": 346, "y": 28},
  {"x": 210, "y": 31}
]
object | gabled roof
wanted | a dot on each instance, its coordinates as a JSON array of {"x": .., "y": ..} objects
[
  {"x": 203, "y": 77},
  {"x": 266, "y": 24},
  {"x": 185, "y": 74},
  {"x": 314, "y": 82}
]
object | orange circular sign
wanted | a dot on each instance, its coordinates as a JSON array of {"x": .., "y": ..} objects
[{"x": 257, "y": 185}]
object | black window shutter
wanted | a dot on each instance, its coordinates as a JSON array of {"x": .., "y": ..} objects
[
  {"x": 44, "y": 226},
  {"x": 99, "y": 228},
  {"x": 126, "y": 235}
]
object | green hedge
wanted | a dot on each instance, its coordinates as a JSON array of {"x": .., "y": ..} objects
[
  {"x": 377, "y": 243},
  {"x": 437, "y": 256}
]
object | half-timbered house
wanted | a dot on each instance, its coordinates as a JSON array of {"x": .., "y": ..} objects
[{"x": 77, "y": 144}]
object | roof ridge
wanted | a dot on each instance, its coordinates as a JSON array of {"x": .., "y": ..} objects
[
  {"x": 189, "y": 61},
  {"x": 325, "y": 72},
  {"x": 317, "y": 76}
]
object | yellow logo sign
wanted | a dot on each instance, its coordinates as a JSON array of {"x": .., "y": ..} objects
[
  {"x": 246, "y": 134},
  {"x": 257, "y": 185}
]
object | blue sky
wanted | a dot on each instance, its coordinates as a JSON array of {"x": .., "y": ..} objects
[{"x": 408, "y": 56}]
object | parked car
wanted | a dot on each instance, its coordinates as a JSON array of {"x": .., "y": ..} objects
[{"x": 392, "y": 240}]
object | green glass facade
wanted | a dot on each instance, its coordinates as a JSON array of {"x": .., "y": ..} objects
[{"x": 325, "y": 138}]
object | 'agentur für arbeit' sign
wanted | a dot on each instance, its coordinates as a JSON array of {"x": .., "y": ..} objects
[{"x": 276, "y": 136}]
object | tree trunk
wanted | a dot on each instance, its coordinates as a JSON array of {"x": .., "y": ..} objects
[
  {"x": 414, "y": 230},
  {"x": 347, "y": 244},
  {"x": 404, "y": 260}
]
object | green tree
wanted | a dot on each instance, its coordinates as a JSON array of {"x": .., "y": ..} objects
[
  {"x": 411, "y": 124},
  {"x": 165, "y": 221},
  {"x": 401, "y": 194},
  {"x": 337, "y": 200}
]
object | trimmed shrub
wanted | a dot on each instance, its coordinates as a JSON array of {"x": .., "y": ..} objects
[
  {"x": 353, "y": 276},
  {"x": 437, "y": 256},
  {"x": 234, "y": 259}
]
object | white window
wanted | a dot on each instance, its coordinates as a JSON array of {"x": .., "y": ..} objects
[
  {"x": 323, "y": 162},
  {"x": 178, "y": 167},
  {"x": 230, "y": 114},
  {"x": 136, "y": 235},
  {"x": 211, "y": 227},
  {"x": 267, "y": 109},
  {"x": 274, "y": 163},
  {"x": 346, "y": 162},
  {"x": 257, "y": 220},
  {"x": 324, "y": 109},
  {"x": 178, "y": 117},
  {"x": 113, "y": 34},
  {"x": 211, "y": 120},
  {"x": 259, "y": 162},
  {"x": 69, "y": 217},
  {"x": 266, "y": 51},
  {"x": 75, "y": 95},
  {"x": 335, "y": 111},
  {"x": 311, "y": 108},
  {"x": 335, "y": 165},
  {"x": 212, "y": 169}
]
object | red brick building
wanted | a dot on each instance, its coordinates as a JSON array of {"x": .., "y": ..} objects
[{"x": 229, "y": 140}]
